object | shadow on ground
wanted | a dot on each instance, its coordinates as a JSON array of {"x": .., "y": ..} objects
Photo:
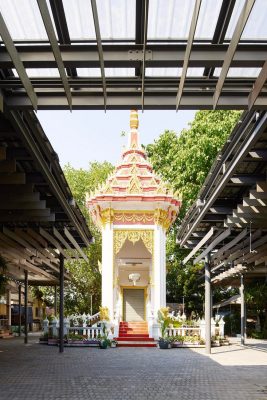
[{"x": 39, "y": 372}]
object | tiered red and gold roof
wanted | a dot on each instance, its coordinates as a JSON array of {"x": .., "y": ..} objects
[{"x": 133, "y": 184}]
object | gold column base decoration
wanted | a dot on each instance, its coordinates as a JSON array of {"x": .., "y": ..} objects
[{"x": 133, "y": 236}]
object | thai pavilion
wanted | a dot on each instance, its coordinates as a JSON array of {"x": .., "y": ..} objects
[{"x": 134, "y": 208}]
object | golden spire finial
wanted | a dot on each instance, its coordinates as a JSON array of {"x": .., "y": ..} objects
[{"x": 134, "y": 123}]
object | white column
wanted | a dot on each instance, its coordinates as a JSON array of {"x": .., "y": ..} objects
[
  {"x": 107, "y": 268},
  {"x": 159, "y": 268}
]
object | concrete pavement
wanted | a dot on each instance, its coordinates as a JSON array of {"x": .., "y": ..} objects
[{"x": 39, "y": 372}]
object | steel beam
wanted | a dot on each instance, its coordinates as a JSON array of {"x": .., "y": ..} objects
[
  {"x": 230, "y": 244},
  {"x": 241, "y": 23},
  {"x": 75, "y": 244},
  {"x": 257, "y": 87},
  {"x": 7, "y": 39},
  {"x": 224, "y": 18},
  {"x": 246, "y": 179},
  {"x": 146, "y": 4},
  {"x": 59, "y": 17},
  {"x": 200, "y": 244},
  {"x": 121, "y": 56},
  {"x": 55, "y": 47},
  {"x": 258, "y": 154},
  {"x": 54, "y": 242},
  {"x": 213, "y": 245},
  {"x": 188, "y": 51},
  {"x": 100, "y": 51},
  {"x": 124, "y": 101}
]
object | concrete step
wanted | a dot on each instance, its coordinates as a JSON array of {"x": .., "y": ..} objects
[
  {"x": 134, "y": 338},
  {"x": 133, "y": 334},
  {"x": 143, "y": 343}
]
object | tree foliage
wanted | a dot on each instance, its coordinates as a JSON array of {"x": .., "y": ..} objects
[
  {"x": 85, "y": 277},
  {"x": 256, "y": 300},
  {"x": 184, "y": 161}
]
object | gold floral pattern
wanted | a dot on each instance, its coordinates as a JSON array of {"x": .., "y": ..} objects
[
  {"x": 133, "y": 236},
  {"x": 132, "y": 217},
  {"x": 107, "y": 216}
]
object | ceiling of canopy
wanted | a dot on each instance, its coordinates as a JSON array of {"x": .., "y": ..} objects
[{"x": 155, "y": 54}]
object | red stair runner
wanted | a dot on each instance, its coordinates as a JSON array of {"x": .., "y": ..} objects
[{"x": 134, "y": 334}]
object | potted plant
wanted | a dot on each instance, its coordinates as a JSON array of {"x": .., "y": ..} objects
[
  {"x": 104, "y": 318},
  {"x": 113, "y": 343},
  {"x": 104, "y": 342},
  {"x": 177, "y": 341},
  {"x": 43, "y": 339},
  {"x": 164, "y": 321}
]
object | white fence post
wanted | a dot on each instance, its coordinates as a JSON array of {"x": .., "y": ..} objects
[
  {"x": 213, "y": 325},
  {"x": 221, "y": 327},
  {"x": 202, "y": 328},
  {"x": 45, "y": 325}
]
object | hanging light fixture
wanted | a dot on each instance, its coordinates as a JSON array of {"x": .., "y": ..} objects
[{"x": 134, "y": 277}]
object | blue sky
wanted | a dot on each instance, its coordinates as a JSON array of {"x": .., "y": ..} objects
[{"x": 84, "y": 136}]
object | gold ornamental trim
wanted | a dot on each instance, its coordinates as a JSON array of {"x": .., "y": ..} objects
[
  {"x": 107, "y": 216},
  {"x": 120, "y": 236},
  {"x": 134, "y": 217},
  {"x": 134, "y": 186},
  {"x": 164, "y": 218}
]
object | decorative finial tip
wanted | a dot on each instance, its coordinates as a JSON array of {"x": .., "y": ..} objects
[{"x": 134, "y": 123}]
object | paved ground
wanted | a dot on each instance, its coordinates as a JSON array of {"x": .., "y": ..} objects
[{"x": 39, "y": 372}]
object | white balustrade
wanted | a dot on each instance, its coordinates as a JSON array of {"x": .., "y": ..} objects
[
  {"x": 183, "y": 331},
  {"x": 198, "y": 330},
  {"x": 88, "y": 331}
]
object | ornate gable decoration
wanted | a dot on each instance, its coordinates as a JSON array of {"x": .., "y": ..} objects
[
  {"x": 134, "y": 186},
  {"x": 133, "y": 236},
  {"x": 133, "y": 176}
]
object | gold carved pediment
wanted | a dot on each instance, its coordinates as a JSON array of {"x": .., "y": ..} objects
[{"x": 120, "y": 236}]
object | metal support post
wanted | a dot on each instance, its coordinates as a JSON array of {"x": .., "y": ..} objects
[
  {"x": 8, "y": 303},
  {"x": 26, "y": 306},
  {"x": 55, "y": 300},
  {"x": 242, "y": 299},
  {"x": 61, "y": 304},
  {"x": 207, "y": 305},
  {"x": 211, "y": 302},
  {"x": 19, "y": 310}
]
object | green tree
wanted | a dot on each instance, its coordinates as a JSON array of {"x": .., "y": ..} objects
[
  {"x": 182, "y": 280},
  {"x": 256, "y": 300},
  {"x": 85, "y": 277},
  {"x": 184, "y": 161}
]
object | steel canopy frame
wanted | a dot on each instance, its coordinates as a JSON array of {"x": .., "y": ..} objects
[
  {"x": 4, "y": 33},
  {"x": 157, "y": 92},
  {"x": 241, "y": 23},
  {"x": 233, "y": 200},
  {"x": 55, "y": 48},
  {"x": 188, "y": 51}
]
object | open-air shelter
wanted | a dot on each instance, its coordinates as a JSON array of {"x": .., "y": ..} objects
[{"x": 68, "y": 54}]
